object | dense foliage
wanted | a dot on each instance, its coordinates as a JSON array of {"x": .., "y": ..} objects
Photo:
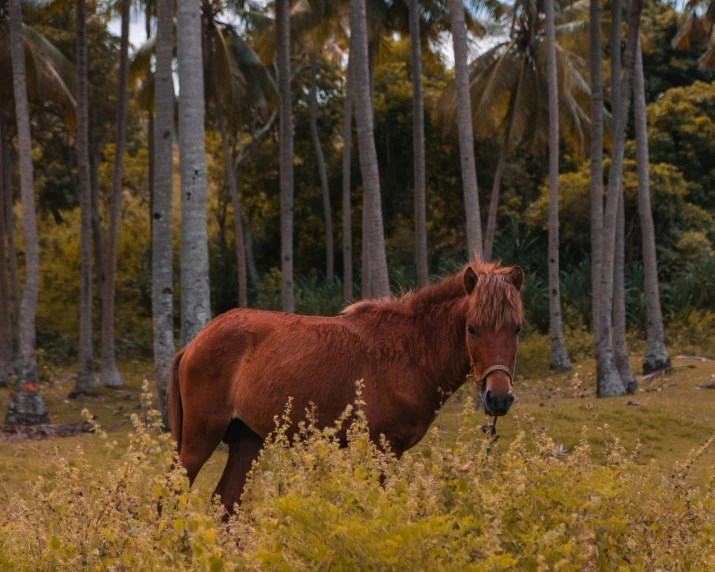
[{"x": 310, "y": 504}]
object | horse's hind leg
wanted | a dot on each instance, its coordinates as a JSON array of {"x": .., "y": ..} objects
[
  {"x": 200, "y": 437},
  {"x": 242, "y": 451}
]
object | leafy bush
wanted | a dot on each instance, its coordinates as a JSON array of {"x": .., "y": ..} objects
[{"x": 312, "y": 505}]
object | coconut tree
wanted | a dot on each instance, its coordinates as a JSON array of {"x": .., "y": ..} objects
[
  {"x": 697, "y": 25},
  {"x": 26, "y": 406},
  {"x": 379, "y": 279},
  {"x": 656, "y": 354},
  {"x": 195, "y": 292},
  {"x": 508, "y": 86},
  {"x": 465, "y": 129},
  {"x": 559, "y": 358},
  {"x": 161, "y": 228},
  {"x": 347, "y": 194},
  {"x": 6, "y": 356},
  {"x": 85, "y": 373},
  {"x": 418, "y": 142},
  {"x": 109, "y": 375},
  {"x": 620, "y": 343},
  {"x": 608, "y": 379},
  {"x": 14, "y": 303}
]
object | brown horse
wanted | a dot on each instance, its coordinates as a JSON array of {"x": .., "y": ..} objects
[{"x": 411, "y": 353}]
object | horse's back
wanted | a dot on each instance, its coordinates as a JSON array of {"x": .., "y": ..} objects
[{"x": 251, "y": 361}]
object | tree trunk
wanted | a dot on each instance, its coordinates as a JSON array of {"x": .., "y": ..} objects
[
  {"x": 6, "y": 357},
  {"x": 110, "y": 376},
  {"x": 494, "y": 205},
  {"x": 329, "y": 250},
  {"x": 195, "y": 292},
  {"x": 347, "y": 194},
  {"x": 85, "y": 373},
  {"x": 150, "y": 119},
  {"x": 656, "y": 354},
  {"x": 379, "y": 278},
  {"x": 97, "y": 242},
  {"x": 620, "y": 342},
  {"x": 609, "y": 382},
  {"x": 466, "y": 130},
  {"x": 559, "y": 357},
  {"x": 26, "y": 406},
  {"x": 418, "y": 142},
  {"x": 286, "y": 151},
  {"x": 365, "y": 282},
  {"x": 10, "y": 227},
  {"x": 161, "y": 230},
  {"x": 233, "y": 186}
]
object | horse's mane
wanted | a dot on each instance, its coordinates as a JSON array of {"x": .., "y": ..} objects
[{"x": 495, "y": 302}]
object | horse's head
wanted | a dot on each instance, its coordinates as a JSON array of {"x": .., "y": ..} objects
[{"x": 494, "y": 317}]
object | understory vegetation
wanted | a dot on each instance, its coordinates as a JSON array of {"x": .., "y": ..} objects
[{"x": 458, "y": 502}]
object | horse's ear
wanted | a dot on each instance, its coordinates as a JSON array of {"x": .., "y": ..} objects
[
  {"x": 470, "y": 280},
  {"x": 517, "y": 277}
]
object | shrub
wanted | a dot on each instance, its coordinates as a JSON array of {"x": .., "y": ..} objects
[{"x": 313, "y": 505}]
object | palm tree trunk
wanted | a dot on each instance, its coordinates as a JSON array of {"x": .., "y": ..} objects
[
  {"x": 250, "y": 258},
  {"x": 347, "y": 194},
  {"x": 656, "y": 354},
  {"x": 14, "y": 307},
  {"x": 85, "y": 373},
  {"x": 110, "y": 376},
  {"x": 329, "y": 250},
  {"x": 609, "y": 382},
  {"x": 5, "y": 321},
  {"x": 620, "y": 342},
  {"x": 233, "y": 186},
  {"x": 595, "y": 59},
  {"x": 26, "y": 406},
  {"x": 161, "y": 230},
  {"x": 97, "y": 242},
  {"x": 466, "y": 130},
  {"x": 286, "y": 151},
  {"x": 559, "y": 357},
  {"x": 195, "y": 292},
  {"x": 379, "y": 278},
  {"x": 494, "y": 205},
  {"x": 150, "y": 120},
  {"x": 418, "y": 142}
]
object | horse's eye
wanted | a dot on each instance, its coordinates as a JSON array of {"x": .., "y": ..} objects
[
  {"x": 518, "y": 330},
  {"x": 471, "y": 330}
]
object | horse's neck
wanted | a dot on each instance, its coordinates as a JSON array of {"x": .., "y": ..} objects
[{"x": 442, "y": 347}]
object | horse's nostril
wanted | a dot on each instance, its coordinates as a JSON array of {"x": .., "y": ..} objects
[
  {"x": 510, "y": 400},
  {"x": 489, "y": 397}
]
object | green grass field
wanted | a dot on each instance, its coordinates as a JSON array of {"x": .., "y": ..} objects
[{"x": 673, "y": 416}]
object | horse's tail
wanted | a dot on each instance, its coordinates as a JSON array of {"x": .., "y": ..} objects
[{"x": 176, "y": 409}]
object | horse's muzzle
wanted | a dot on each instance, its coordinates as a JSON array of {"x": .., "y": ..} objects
[{"x": 497, "y": 403}]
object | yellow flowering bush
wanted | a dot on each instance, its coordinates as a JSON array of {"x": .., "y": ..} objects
[{"x": 464, "y": 504}]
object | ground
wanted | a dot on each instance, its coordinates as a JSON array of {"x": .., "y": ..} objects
[{"x": 670, "y": 417}]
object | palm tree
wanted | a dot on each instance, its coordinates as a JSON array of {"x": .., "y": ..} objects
[
  {"x": 14, "y": 306},
  {"x": 508, "y": 87},
  {"x": 697, "y": 25},
  {"x": 286, "y": 150},
  {"x": 110, "y": 376},
  {"x": 418, "y": 137},
  {"x": 26, "y": 406},
  {"x": 379, "y": 279},
  {"x": 5, "y": 321},
  {"x": 347, "y": 194},
  {"x": 620, "y": 343},
  {"x": 195, "y": 293},
  {"x": 85, "y": 374},
  {"x": 320, "y": 159},
  {"x": 656, "y": 354},
  {"x": 466, "y": 132},
  {"x": 161, "y": 229},
  {"x": 608, "y": 380},
  {"x": 559, "y": 358}
]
